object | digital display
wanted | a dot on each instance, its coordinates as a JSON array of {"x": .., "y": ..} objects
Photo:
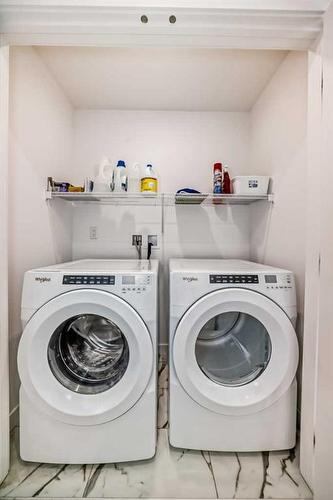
[
  {"x": 128, "y": 280},
  {"x": 270, "y": 278}
]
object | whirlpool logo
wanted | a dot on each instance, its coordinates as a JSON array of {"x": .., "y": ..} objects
[
  {"x": 189, "y": 279},
  {"x": 42, "y": 279}
]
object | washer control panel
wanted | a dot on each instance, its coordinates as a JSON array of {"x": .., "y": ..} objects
[
  {"x": 137, "y": 284},
  {"x": 80, "y": 279},
  {"x": 233, "y": 278}
]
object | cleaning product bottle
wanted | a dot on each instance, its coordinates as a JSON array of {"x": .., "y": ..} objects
[
  {"x": 149, "y": 183},
  {"x": 226, "y": 187},
  {"x": 134, "y": 178},
  {"x": 120, "y": 177},
  {"x": 102, "y": 182},
  {"x": 217, "y": 180}
]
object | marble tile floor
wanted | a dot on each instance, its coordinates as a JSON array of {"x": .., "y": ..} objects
[{"x": 173, "y": 473}]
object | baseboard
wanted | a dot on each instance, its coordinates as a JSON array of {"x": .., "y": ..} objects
[{"x": 14, "y": 417}]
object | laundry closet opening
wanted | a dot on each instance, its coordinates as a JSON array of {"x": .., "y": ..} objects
[{"x": 181, "y": 110}]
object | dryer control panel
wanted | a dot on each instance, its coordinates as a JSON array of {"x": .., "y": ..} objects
[
  {"x": 233, "y": 278},
  {"x": 89, "y": 279}
]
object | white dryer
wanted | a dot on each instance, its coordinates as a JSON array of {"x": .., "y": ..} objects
[
  {"x": 233, "y": 356},
  {"x": 87, "y": 362}
]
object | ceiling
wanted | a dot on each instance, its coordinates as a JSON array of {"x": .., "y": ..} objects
[{"x": 161, "y": 79}]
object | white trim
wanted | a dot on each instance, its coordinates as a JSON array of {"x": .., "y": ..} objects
[
  {"x": 197, "y": 25},
  {"x": 311, "y": 306},
  {"x": 4, "y": 372},
  {"x": 288, "y": 5},
  {"x": 323, "y": 477}
]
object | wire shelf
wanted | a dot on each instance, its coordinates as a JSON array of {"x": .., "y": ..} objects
[{"x": 157, "y": 199}]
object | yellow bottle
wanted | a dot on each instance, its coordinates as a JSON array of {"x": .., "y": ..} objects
[{"x": 149, "y": 182}]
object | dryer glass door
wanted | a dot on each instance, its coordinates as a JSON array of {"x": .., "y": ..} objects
[
  {"x": 233, "y": 348},
  {"x": 88, "y": 353},
  {"x": 235, "y": 351}
]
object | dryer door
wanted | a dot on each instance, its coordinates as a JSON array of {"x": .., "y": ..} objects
[
  {"x": 85, "y": 357},
  {"x": 235, "y": 351}
]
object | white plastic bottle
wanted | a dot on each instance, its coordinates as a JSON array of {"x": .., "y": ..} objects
[
  {"x": 103, "y": 179},
  {"x": 134, "y": 178},
  {"x": 120, "y": 177}
]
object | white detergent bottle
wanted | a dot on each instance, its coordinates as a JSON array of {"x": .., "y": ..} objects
[
  {"x": 120, "y": 177},
  {"x": 134, "y": 178},
  {"x": 103, "y": 180}
]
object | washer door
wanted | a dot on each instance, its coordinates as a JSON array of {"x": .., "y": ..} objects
[
  {"x": 85, "y": 357},
  {"x": 235, "y": 351}
]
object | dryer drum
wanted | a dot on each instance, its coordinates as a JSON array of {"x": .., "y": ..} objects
[
  {"x": 233, "y": 349},
  {"x": 88, "y": 354}
]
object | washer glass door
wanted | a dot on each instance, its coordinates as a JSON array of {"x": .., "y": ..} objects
[
  {"x": 88, "y": 353},
  {"x": 233, "y": 348},
  {"x": 85, "y": 357}
]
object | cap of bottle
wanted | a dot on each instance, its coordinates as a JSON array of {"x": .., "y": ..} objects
[
  {"x": 217, "y": 166},
  {"x": 121, "y": 163}
]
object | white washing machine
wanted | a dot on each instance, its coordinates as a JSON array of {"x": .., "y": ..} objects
[
  {"x": 233, "y": 356},
  {"x": 87, "y": 362}
]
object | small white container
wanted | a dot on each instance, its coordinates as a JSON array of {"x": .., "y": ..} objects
[
  {"x": 250, "y": 184},
  {"x": 134, "y": 179}
]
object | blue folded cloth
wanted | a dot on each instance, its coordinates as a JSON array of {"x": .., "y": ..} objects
[{"x": 188, "y": 191}]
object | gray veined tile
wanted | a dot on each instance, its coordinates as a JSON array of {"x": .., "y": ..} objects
[
  {"x": 162, "y": 355},
  {"x": 27, "y": 479},
  {"x": 173, "y": 473},
  {"x": 162, "y": 414},
  {"x": 238, "y": 475},
  {"x": 71, "y": 481},
  {"x": 283, "y": 477},
  {"x": 18, "y": 470},
  {"x": 163, "y": 377}
]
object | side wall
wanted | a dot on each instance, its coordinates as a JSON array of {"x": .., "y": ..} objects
[
  {"x": 279, "y": 149},
  {"x": 40, "y": 143},
  {"x": 183, "y": 146}
]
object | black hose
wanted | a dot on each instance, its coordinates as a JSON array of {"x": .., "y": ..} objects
[{"x": 150, "y": 245}]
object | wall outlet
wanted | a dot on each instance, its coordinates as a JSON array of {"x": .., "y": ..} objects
[
  {"x": 93, "y": 232},
  {"x": 152, "y": 238}
]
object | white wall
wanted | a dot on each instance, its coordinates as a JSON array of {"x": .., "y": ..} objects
[
  {"x": 40, "y": 145},
  {"x": 183, "y": 146},
  {"x": 279, "y": 149}
]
